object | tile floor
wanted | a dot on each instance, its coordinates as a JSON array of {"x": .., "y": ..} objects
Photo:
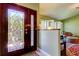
[
  {"x": 34, "y": 53},
  {"x": 31, "y": 54}
]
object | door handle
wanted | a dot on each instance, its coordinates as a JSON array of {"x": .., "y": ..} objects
[
  {"x": 26, "y": 31},
  {"x": 28, "y": 25}
]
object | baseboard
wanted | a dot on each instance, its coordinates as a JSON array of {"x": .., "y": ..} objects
[{"x": 42, "y": 52}]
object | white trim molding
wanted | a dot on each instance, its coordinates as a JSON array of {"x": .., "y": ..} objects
[{"x": 41, "y": 52}]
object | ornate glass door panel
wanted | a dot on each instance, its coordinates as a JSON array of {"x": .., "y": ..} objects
[{"x": 15, "y": 30}]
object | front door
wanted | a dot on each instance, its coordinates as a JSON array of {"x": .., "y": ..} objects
[{"x": 21, "y": 32}]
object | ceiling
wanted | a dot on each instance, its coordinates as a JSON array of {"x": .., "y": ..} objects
[{"x": 59, "y": 10}]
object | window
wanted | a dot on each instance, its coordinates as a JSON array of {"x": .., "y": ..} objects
[
  {"x": 47, "y": 24},
  {"x": 59, "y": 25},
  {"x": 32, "y": 30},
  {"x": 50, "y": 24}
]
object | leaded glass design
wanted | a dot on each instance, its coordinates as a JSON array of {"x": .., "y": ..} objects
[{"x": 15, "y": 30}]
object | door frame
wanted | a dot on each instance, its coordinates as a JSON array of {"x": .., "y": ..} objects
[{"x": 4, "y": 40}]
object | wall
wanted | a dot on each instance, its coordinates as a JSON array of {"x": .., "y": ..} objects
[
  {"x": 49, "y": 39},
  {"x": 33, "y": 6},
  {"x": 72, "y": 25},
  {"x": 45, "y": 17},
  {"x": 49, "y": 42},
  {"x": 42, "y": 17}
]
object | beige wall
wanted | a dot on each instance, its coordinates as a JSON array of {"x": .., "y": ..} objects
[
  {"x": 33, "y": 6},
  {"x": 45, "y": 17}
]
